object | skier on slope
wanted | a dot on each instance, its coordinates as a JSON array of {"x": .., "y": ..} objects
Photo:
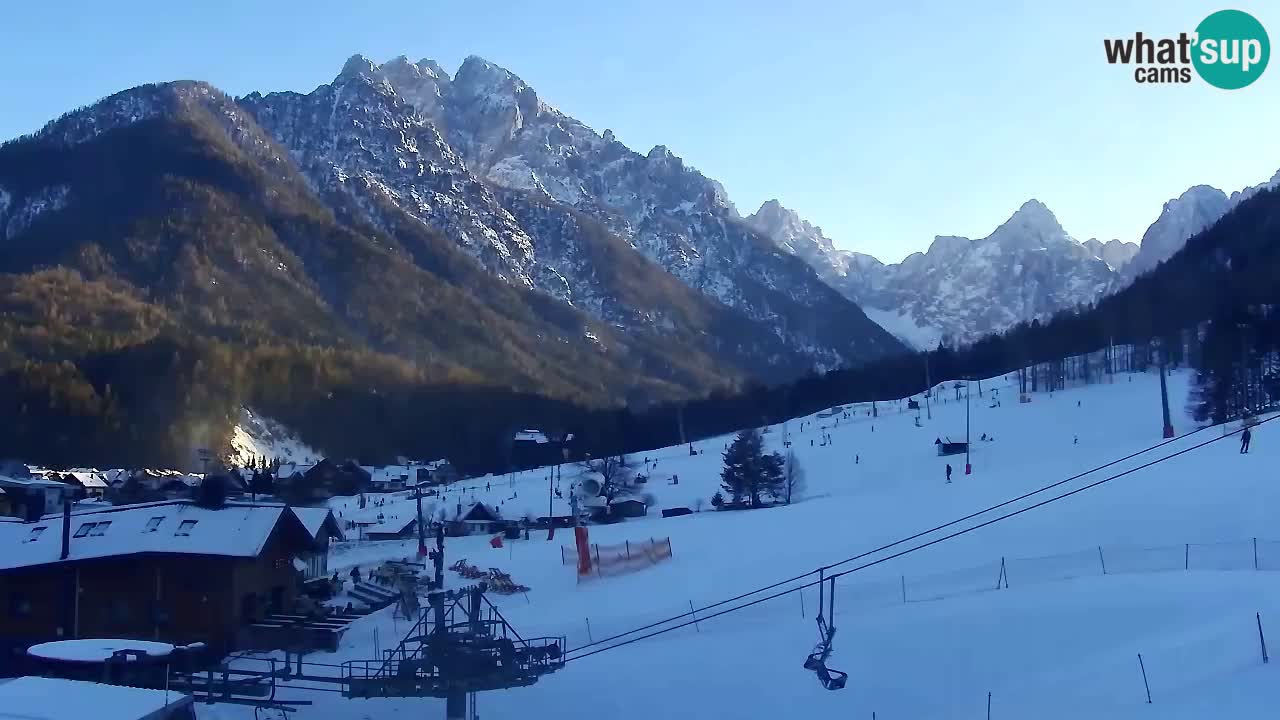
[
  {"x": 948, "y": 472},
  {"x": 1245, "y": 437}
]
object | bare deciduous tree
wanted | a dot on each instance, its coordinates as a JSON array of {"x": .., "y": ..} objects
[
  {"x": 616, "y": 479},
  {"x": 792, "y": 478}
]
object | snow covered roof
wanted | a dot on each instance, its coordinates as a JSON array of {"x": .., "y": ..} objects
[
  {"x": 531, "y": 436},
  {"x": 170, "y": 527},
  {"x": 314, "y": 519},
  {"x": 32, "y": 482},
  {"x": 390, "y": 473},
  {"x": 480, "y": 513},
  {"x": 288, "y": 470},
  {"x": 88, "y": 478},
  {"x": 38, "y": 698},
  {"x": 95, "y": 650},
  {"x": 622, "y": 500}
]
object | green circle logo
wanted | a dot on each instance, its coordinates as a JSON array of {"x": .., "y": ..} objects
[{"x": 1232, "y": 49}]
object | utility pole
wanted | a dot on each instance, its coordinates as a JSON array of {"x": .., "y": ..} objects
[
  {"x": 422, "y": 529},
  {"x": 928, "y": 386},
  {"x": 968, "y": 468},
  {"x": 1164, "y": 399},
  {"x": 439, "y": 560}
]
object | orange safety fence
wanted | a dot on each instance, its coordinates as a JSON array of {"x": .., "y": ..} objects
[{"x": 617, "y": 559}]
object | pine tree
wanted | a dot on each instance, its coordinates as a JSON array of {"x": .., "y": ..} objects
[{"x": 749, "y": 472}]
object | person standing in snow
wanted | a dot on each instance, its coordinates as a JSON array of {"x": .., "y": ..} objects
[
  {"x": 1245, "y": 437},
  {"x": 355, "y": 575},
  {"x": 948, "y": 472}
]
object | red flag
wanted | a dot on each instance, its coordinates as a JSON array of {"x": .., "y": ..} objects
[{"x": 496, "y": 541}]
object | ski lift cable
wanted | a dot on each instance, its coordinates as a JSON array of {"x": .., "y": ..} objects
[
  {"x": 888, "y": 546},
  {"x": 916, "y": 547}
]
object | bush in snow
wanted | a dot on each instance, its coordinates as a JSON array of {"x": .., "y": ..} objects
[{"x": 717, "y": 500}]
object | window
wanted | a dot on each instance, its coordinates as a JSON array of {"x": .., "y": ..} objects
[
  {"x": 154, "y": 524},
  {"x": 83, "y": 530},
  {"x": 35, "y": 533},
  {"x": 184, "y": 529},
  {"x": 100, "y": 528}
]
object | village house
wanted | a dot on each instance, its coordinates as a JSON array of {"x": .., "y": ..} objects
[
  {"x": 479, "y": 519},
  {"x": 324, "y": 480},
  {"x": 628, "y": 507},
  {"x": 32, "y": 497},
  {"x": 91, "y": 483},
  {"x": 168, "y": 571},
  {"x": 322, "y": 526},
  {"x": 536, "y": 448},
  {"x": 390, "y": 478}
]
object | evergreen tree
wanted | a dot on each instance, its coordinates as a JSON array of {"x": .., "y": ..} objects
[{"x": 749, "y": 472}]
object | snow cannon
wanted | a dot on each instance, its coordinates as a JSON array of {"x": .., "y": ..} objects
[{"x": 591, "y": 486}]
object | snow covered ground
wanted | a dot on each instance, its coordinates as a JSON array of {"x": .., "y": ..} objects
[
  {"x": 904, "y": 327},
  {"x": 1061, "y": 641}
]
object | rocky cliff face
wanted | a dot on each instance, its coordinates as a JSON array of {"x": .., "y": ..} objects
[{"x": 480, "y": 157}]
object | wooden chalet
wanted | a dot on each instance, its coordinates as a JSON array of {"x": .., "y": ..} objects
[
  {"x": 169, "y": 571},
  {"x": 478, "y": 519},
  {"x": 323, "y": 527},
  {"x": 628, "y": 507}
]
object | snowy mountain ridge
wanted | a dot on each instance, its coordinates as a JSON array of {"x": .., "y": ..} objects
[
  {"x": 480, "y": 157},
  {"x": 1028, "y": 268}
]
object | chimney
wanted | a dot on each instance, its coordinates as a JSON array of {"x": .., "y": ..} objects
[{"x": 66, "y": 528}]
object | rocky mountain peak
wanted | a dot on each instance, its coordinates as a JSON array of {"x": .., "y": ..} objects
[
  {"x": 787, "y": 228},
  {"x": 431, "y": 68},
  {"x": 1194, "y": 210},
  {"x": 948, "y": 245},
  {"x": 478, "y": 77},
  {"x": 1032, "y": 225},
  {"x": 1241, "y": 195},
  {"x": 1115, "y": 253},
  {"x": 358, "y": 65}
]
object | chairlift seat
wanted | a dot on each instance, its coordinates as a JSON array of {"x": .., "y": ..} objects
[{"x": 832, "y": 679}]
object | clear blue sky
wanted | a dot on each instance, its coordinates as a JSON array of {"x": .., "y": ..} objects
[{"x": 885, "y": 123}]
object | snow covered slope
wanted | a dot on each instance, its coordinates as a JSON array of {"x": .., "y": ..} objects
[{"x": 1060, "y": 642}]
